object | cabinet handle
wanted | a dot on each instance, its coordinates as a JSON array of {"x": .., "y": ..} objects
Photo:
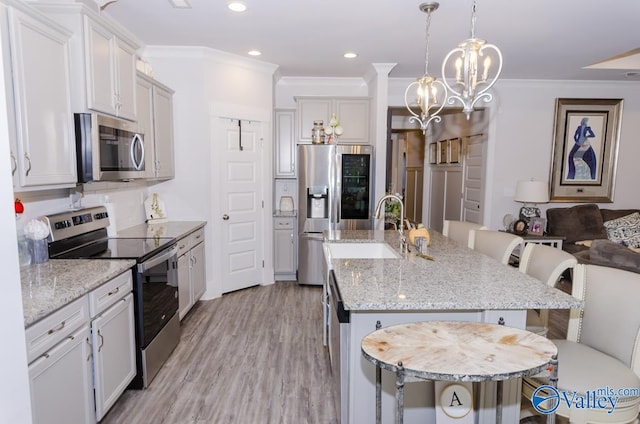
[
  {"x": 26, "y": 156},
  {"x": 291, "y": 238},
  {"x": 101, "y": 341},
  {"x": 225, "y": 217},
  {"x": 58, "y": 328},
  {"x": 14, "y": 164},
  {"x": 112, "y": 292}
]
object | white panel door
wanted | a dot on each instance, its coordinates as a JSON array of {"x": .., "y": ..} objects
[
  {"x": 242, "y": 226},
  {"x": 473, "y": 189}
]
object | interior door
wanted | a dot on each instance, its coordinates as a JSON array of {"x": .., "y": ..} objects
[
  {"x": 473, "y": 163},
  {"x": 242, "y": 213}
]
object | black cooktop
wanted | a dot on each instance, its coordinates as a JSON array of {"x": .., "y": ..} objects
[{"x": 139, "y": 249}]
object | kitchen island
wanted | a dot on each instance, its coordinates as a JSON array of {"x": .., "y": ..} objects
[{"x": 460, "y": 284}]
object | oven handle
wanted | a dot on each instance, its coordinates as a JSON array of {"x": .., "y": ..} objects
[{"x": 159, "y": 258}]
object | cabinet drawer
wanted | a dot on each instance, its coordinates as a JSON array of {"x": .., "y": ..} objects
[
  {"x": 196, "y": 237},
  {"x": 44, "y": 334},
  {"x": 109, "y": 293},
  {"x": 184, "y": 245},
  {"x": 283, "y": 223}
]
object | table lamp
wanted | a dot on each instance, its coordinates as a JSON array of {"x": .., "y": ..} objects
[{"x": 530, "y": 193}]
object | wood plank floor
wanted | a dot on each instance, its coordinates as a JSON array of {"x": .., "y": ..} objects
[{"x": 253, "y": 356}]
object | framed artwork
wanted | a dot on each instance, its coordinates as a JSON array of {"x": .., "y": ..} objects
[
  {"x": 443, "y": 151},
  {"x": 585, "y": 150},
  {"x": 536, "y": 226},
  {"x": 433, "y": 153},
  {"x": 454, "y": 150}
]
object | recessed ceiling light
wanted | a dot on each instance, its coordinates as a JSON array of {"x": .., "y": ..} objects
[
  {"x": 350, "y": 55},
  {"x": 254, "y": 53},
  {"x": 237, "y": 6},
  {"x": 180, "y": 4}
]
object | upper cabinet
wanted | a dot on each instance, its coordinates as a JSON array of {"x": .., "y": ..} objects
[
  {"x": 285, "y": 144},
  {"x": 155, "y": 121},
  {"x": 352, "y": 112},
  {"x": 37, "y": 78},
  {"x": 103, "y": 59},
  {"x": 110, "y": 71}
]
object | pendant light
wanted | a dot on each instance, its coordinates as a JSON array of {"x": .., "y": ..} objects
[
  {"x": 470, "y": 85},
  {"x": 430, "y": 94}
]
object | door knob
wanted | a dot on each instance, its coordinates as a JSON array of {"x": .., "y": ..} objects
[{"x": 225, "y": 217}]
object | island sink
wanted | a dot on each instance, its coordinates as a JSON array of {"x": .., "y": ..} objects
[{"x": 362, "y": 251}]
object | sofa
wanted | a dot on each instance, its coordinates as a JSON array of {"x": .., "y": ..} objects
[{"x": 607, "y": 237}]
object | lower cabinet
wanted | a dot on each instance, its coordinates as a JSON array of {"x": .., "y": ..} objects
[
  {"x": 82, "y": 357},
  {"x": 60, "y": 382},
  {"x": 285, "y": 239},
  {"x": 191, "y": 271},
  {"x": 114, "y": 360}
]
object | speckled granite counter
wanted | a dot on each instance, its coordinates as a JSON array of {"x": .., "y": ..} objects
[
  {"x": 284, "y": 214},
  {"x": 174, "y": 229},
  {"x": 458, "y": 279},
  {"x": 48, "y": 287}
]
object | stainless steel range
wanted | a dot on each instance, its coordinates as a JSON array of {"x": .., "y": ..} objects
[{"x": 82, "y": 234}]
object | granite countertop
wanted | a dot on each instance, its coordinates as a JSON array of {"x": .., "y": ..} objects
[
  {"x": 49, "y": 286},
  {"x": 284, "y": 214},
  {"x": 458, "y": 279},
  {"x": 173, "y": 229}
]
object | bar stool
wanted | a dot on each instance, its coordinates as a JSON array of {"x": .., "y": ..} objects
[{"x": 457, "y": 351}]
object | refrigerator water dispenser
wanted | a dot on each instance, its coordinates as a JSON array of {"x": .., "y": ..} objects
[{"x": 317, "y": 202}]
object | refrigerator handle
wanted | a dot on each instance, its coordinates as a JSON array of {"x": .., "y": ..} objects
[{"x": 338, "y": 187}]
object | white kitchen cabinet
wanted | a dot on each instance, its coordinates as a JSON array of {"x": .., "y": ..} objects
[
  {"x": 155, "y": 121},
  {"x": 113, "y": 340},
  {"x": 36, "y": 53},
  {"x": 59, "y": 354},
  {"x": 352, "y": 112},
  {"x": 114, "y": 360},
  {"x": 191, "y": 271},
  {"x": 110, "y": 71},
  {"x": 285, "y": 249},
  {"x": 285, "y": 144}
]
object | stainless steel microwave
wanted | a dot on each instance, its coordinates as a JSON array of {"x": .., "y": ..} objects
[{"x": 108, "y": 149}]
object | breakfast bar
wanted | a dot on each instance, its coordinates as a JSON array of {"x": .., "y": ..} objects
[{"x": 459, "y": 284}]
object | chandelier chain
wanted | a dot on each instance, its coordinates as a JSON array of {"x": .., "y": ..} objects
[
  {"x": 426, "y": 49},
  {"x": 473, "y": 19}
]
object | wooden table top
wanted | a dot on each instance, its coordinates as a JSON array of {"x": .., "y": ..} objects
[{"x": 459, "y": 351}]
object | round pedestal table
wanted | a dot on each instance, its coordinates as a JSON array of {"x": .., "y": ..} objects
[{"x": 457, "y": 351}]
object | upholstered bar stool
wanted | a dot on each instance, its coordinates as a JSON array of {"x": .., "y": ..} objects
[{"x": 456, "y": 351}]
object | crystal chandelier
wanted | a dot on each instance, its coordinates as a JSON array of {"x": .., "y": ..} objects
[
  {"x": 429, "y": 98},
  {"x": 471, "y": 86}
]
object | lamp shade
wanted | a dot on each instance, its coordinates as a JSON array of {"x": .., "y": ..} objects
[{"x": 532, "y": 192}]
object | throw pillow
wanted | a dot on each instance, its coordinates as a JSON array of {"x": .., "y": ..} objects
[{"x": 624, "y": 230}]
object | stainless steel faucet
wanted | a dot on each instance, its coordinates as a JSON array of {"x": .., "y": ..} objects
[{"x": 379, "y": 207}]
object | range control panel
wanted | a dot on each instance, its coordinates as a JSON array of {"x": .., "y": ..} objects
[{"x": 68, "y": 224}]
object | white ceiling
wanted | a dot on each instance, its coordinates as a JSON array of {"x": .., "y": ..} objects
[{"x": 543, "y": 39}]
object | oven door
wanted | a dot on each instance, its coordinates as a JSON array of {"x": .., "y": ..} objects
[{"x": 157, "y": 294}]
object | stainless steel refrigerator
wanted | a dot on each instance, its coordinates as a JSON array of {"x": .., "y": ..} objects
[{"x": 334, "y": 193}]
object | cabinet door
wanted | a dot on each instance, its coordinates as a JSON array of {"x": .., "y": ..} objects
[
  {"x": 144, "y": 101},
  {"x": 309, "y": 110},
  {"x": 283, "y": 258},
  {"x": 285, "y": 149},
  {"x": 354, "y": 119},
  {"x": 100, "y": 67},
  {"x": 163, "y": 131},
  {"x": 125, "y": 73},
  {"x": 60, "y": 382},
  {"x": 114, "y": 359},
  {"x": 184, "y": 285},
  {"x": 198, "y": 274},
  {"x": 44, "y": 121}
]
